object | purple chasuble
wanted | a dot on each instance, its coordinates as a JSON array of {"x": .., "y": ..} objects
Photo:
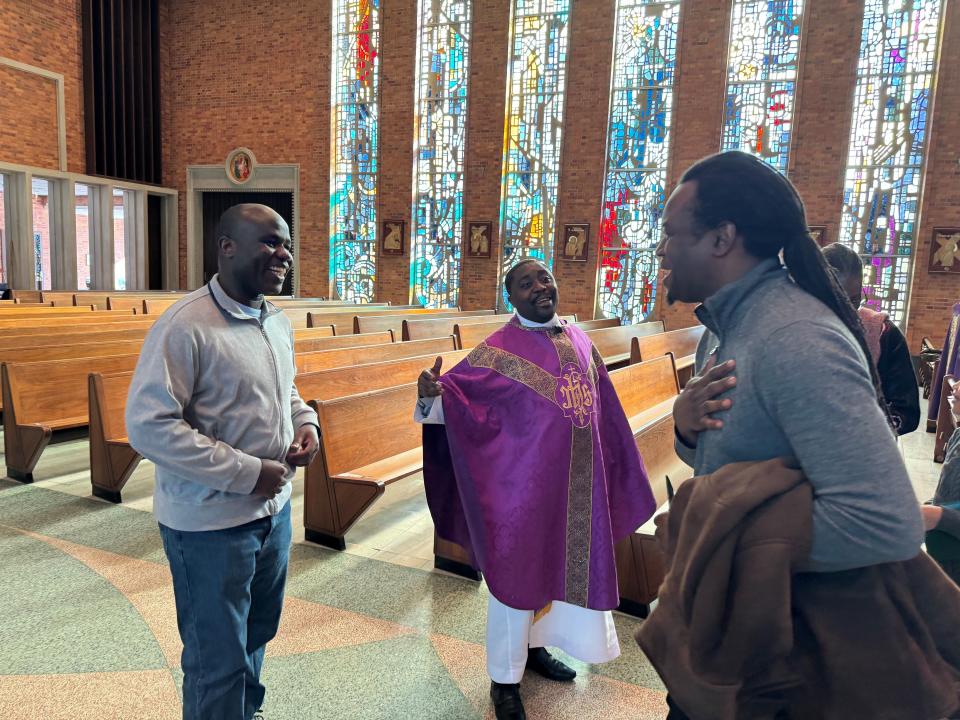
[{"x": 535, "y": 470}]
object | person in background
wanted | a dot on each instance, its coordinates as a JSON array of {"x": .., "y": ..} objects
[{"x": 888, "y": 347}]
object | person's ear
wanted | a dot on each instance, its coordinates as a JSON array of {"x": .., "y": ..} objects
[
  {"x": 227, "y": 246},
  {"x": 724, "y": 239}
]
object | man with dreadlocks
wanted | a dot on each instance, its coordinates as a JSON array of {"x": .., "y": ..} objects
[{"x": 785, "y": 369}]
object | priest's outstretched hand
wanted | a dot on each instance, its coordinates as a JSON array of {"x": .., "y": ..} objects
[{"x": 427, "y": 383}]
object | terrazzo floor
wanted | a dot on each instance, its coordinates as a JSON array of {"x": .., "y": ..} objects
[{"x": 88, "y": 628}]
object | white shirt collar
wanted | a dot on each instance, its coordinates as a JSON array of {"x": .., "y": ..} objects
[{"x": 552, "y": 322}]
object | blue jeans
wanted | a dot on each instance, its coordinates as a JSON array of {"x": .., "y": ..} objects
[{"x": 228, "y": 586}]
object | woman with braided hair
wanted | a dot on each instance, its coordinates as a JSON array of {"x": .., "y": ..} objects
[{"x": 785, "y": 369}]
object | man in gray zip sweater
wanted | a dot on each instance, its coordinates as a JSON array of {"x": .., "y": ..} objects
[
  {"x": 214, "y": 406},
  {"x": 784, "y": 370}
]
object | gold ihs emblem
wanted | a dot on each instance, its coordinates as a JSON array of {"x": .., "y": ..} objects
[{"x": 575, "y": 395}]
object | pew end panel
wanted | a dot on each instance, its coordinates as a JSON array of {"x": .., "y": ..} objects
[
  {"x": 23, "y": 444},
  {"x": 112, "y": 459}
]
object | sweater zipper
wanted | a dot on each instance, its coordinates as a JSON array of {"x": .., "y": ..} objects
[{"x": 276, "y": 374}]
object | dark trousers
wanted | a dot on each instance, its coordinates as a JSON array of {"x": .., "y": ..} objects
[{"x": 228, "y": 585}]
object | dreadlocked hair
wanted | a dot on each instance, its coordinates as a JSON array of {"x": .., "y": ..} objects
[{"x": 768, "y": 213}]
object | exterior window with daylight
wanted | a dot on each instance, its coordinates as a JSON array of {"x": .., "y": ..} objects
[
  {"x": 120, "y": 227},
  {"x": 82, "y": 210},
  {"x": 40, "y": 200}
]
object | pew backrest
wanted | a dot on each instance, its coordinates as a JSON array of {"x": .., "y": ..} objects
[
  {"x": 343, "y": 319},
  {"x": 614, "y": 343},
  {"x": 342, "y": 357},
  {"x": 425, "y": 328},
  {"x": 644, "y": 385},
  {"x": 56, "y": 328},
  {"x": 349, "y": 424},
  {"x": 378, "y": 323},
  {"x": 599, "y": 324},
  {"x": 339, "y": 382},
  {"x": 682, "y": 343},
  {"x": 341, "y": 341},
  {"x": 54, "y": 392}
]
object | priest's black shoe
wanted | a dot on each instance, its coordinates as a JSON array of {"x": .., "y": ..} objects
[
  {"x": 506, "y": 701},
  {"x": 542, "y": 663}
]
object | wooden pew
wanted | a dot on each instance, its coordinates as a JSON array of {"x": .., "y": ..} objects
[
  {"x": 125, "y": 303},
  {"x": 26, "y": 296},
  {"x": 682, "y": 343},
  {"x": 63, "y": 351},
  {"x": 343, "y": 320},
  {"x": 313, "y": 332},
  {"x": 353, "y": 379},
  {"x": 59, "y": 298},
  {"x": 614, "y": 343},
  {"x": 44, "y": 311},
  {"x": 40, "y": 397},
  {"x": 426, "y": 328},
  {"x": 600, "y": 324},
  {"x": 335, "y": 342},
  {"x": 350, "y": 473},
  {"x": 472, "y": 334},
  {"x": 116, "y": 321},
  {"x": 30, "y": 328},
  {"x": 647, "y": 392},
  {"x": 377, "y": 323},
  {"x": 326, "y": 359},
  {"x": 112, "y": 459},
  {"x": 156, "y": 306}
]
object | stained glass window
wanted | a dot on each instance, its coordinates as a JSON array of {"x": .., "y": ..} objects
[
  {"x": 354, "y": 148},
  {"x": 638, "y": 147},
  {"x": 440, "y": 134},
  {"x": 881, "y": 193},
  {"x": 761, "y": 78},
  {"x": 536, "y": 83}
]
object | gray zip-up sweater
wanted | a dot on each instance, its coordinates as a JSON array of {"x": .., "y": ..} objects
[
  {"x": 804, "y": 390},
  {"x": 213, "y": 393}
]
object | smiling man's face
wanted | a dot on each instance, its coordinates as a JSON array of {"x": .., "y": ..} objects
[{"x": 533, "y": 292}]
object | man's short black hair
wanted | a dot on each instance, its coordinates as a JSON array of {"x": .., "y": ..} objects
[{"x": 508, "y": 280}]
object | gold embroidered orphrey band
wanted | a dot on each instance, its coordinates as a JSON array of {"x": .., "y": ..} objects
[{"x": 580, "y": 483}]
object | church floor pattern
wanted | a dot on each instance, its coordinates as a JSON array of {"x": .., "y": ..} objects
[{"x": 88, "y": 628}]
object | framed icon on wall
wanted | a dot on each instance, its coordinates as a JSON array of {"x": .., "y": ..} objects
[
  {"x": 479, "y": 239},
  {"x": 392, "y": 237},
  {"x": 575, "y": 241}
]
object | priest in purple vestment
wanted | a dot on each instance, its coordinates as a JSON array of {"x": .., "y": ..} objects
[{"x": 530, "y": 464}]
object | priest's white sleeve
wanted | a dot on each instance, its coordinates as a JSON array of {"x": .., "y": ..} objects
[{"x": 428, "y": 411}]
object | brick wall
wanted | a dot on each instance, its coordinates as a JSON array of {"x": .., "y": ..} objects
[
  {"x": 484, "y": 159},
  {"x": 397, "y": 83},
  {"x": 235, "y": 74},
  {"x": 584, "y": 148},
  {"x": 47, "y": 35}
]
